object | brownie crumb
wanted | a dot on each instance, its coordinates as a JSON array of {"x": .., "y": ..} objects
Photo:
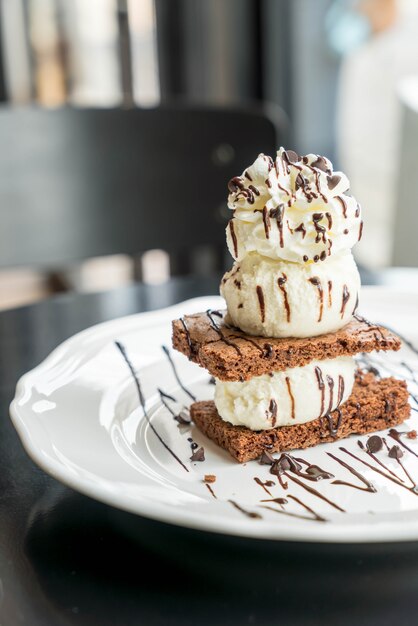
[
  {"x": 210, "y": 478},
  {"x": 412, "y": 434}
]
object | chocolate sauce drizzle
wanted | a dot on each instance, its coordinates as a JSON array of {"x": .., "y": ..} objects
[
  {"x": 281, "y": 281},
  {"x": 135, "y": 377},
  {"x": 394, "y": 434},
  {"x": 273, "y": 412},
  {"x": 188, "y": 338},
  {"x": 345, "y": 299},
  {"x": 343, "y": 204},
  {"x": 379, "y": 471},
  {"x": 320, "y": 230},
  {"x": 321, "y": 386},
  {"x": 250, "y": 514},
  {"x": 211, "y": 491},
  {"x": 330, "y": 293},
  {"x": 267, "y": 483},
  {"x": 292, "y": 399},
  {"x": 301, "y": 229},
  {"x": 266, "y": 222},
  {"x": 176, "y": 375},
  {"x": 234, "y": 238},
  {"x": 260, "y": 296},
  {"x": 317, "y": 283},
  {"x": 368, "y": 485},
  {"x": 277, "y": 214},
  {"x": 210, "y": 313}
]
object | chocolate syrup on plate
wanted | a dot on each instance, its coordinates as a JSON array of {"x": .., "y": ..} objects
[{"x": 135, "y": 377}]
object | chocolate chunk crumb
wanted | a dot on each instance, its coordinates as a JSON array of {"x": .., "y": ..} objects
[
  {"x": 198, "y": 455},
  {"x": 374, "y": 444},
  {"x": 210, "y": 478},
  {"x": 395, "y": 452},
  {"x": 267, "y": 459}
]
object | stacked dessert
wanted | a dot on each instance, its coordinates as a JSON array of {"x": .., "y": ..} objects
[{"x": 283, "y": 353}]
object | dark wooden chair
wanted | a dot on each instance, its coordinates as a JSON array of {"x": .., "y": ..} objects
[{"x": 80, "y": 183}]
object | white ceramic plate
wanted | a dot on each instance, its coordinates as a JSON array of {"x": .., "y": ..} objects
[{"x": 79, "y": 418}]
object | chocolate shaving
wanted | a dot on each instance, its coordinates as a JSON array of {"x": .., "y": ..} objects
[
  {"x": 333, "y": 181},
  {"x": 198, "y": 455}
]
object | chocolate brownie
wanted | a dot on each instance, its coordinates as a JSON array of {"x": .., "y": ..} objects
[
  {"x": 229, "y": 354},
  {"x": 375, "y": 404}
]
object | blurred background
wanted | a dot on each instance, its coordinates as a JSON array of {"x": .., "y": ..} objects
[{"x": 120, "y": 120}]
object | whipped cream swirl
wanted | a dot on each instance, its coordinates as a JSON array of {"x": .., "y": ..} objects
[{"x": 294, "y": 208}]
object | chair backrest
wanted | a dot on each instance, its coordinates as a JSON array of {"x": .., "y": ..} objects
[
  {"x": 405, "y": 219},
  {"x": 79, "y": 183}
]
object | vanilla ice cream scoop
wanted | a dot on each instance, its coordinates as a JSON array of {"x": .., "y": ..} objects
[
  {"x": 293, "y": 208},
  {"x": 284, "y": 299},
  {"x": 294, "y": 396}
]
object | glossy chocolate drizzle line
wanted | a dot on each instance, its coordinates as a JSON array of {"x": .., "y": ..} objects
[
  {"x": 163, "y": 398},
  {"x": 330, "y": 382},
  {"x": 317, "y": 283},
  {"x": 379, "y": 471},
  {"x": 399, "y": 462},
  {"x": 273, "y": 411},
  {"x": 268, "y": 483},
  {"x": 135, "y": 377},
  {"x": 315, "y": 518},
  {"x": 211, "y": 491},
  {"x": 277, "y": 214},
  {"x": 215, "y": 327},
  {"x": 233, "y": 237},
  {"x": 343, "y": 204},
  {"x": 260, "y": 296},
  {"x": 320, "y": 230},
  {"x": 321, "y": 386},
  {"x": 239, "y": 508},
  {"x": 266, "y": 222},
  {"x": 176, "y": 375},
  {"x": 292, "y": 399},
  {"x": 189, "y": 340},
  {"x": 376, "y": 460},
  {"x": 368, "y": 485},
  {"x": 333, "y": 430},
  {"x": 396, "y": 435},
  {"x": 329, "y": 218},
  {"x": 360, "y": 231},
  {"x": 315, "y": 171},
  {"x": 341, "y": 387},
  {"x": 314, "y": 492},
  {"x": 301, "y": 229},
  {"x": 345, "y": 299},
  {"x": 330, "y": 293},
  {"x": 372, "y": 327},
  {"x": 357, "y": 213},
  {"x": 281, "y": 281}
]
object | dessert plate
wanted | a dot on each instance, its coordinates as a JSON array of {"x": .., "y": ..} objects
[{"x": 80, "y": 418}]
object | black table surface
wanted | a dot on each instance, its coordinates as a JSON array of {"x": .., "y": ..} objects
[{"x": 67, "y": 559}]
